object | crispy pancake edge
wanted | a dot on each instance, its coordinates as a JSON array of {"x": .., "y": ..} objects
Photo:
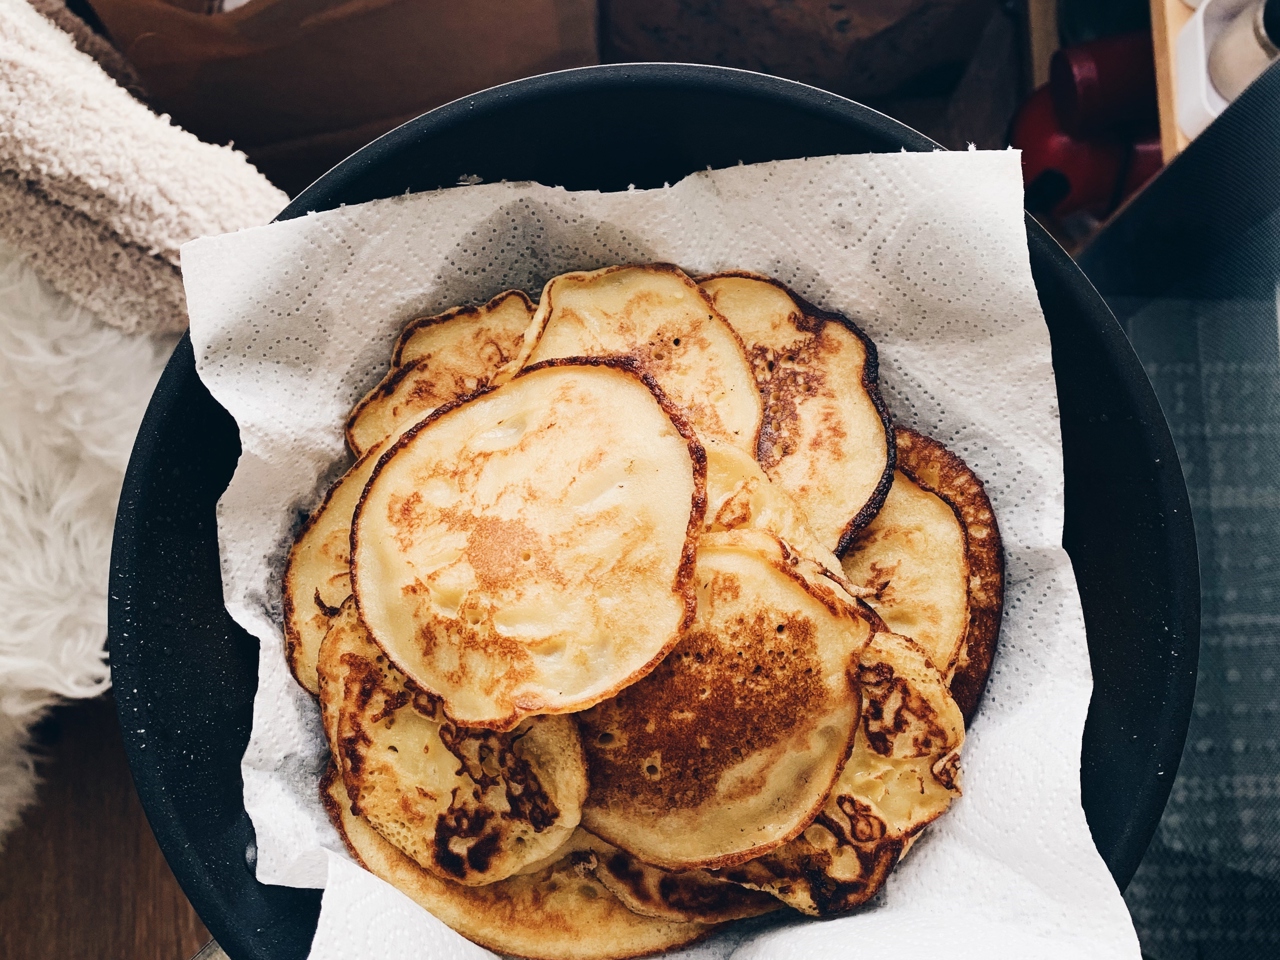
[
  {"x": 331, "y": 687},
  {"x": 832, "y": 898},
  {"x": 349, "y": 735},
  {"x": 418, "y": 323},
  {"x": 877, "y": 857},
  {"x": 385, "y": 388},
  {"x": 684, "y": 584},
  {"x": 963, "y": 491},
  {"x": 786, "y": 564},
  {"x": 693, "y": 896},
  {"x": 334, "y": 813},
  {"x": 400, "y": 371},
  {"x": 816, "y": 317},
  {"x": 291, "y": 639}
]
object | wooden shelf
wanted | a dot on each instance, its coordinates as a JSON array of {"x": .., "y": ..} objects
[
  {"x": 1042, "y": 38},
  {"x": 1168, "y": 17}
]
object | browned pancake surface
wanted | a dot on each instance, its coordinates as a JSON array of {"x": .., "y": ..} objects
[
  {"x": 473, "y": 806},
  {"x": 657, "y": 316},
  {"x": 688, "y": 896},
  {"x": 935, "y": 468},
  {"x": 490, "y": 329},
  {"x": 530, "y": 551},
  {"x": 826, "y": 436},
  {"x": 934, "y": 563},
  {"x": 902, "y": 774},
  {"x": 437, "y": 360},
  {"x": 912, "y": 561},
  {"x": 729, "y": 747},
  {"x": 557, "y": 912}
]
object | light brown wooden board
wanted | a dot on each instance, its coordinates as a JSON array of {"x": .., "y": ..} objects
[
  {"x": 1042, "y": 38},
  {"x": 1168, "y": 17}
]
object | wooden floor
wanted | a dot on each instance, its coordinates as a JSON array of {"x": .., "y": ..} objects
[{"x": 82, "y": 877}]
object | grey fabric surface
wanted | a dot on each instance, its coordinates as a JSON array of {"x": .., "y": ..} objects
[{"x": 1209, "y": 886}]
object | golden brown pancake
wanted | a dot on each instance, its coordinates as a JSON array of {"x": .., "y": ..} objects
[
  {"x": 466, "y": 332},
  {"x": 730, "y": 746},
  {"x": 439, "y": 359},
  {"x": 658, "y": 316},
  {"x": 472, "y": 806},
  {"x": 688, "y": 896},
  {"x": 317, "y": 576},
  {"x": 933, "y": 562},
  {"x": 531, "y": 550},
  {"x": 741, "y": 496},
  {"x": 345, "y": 621},
  {"x": 902, "y": 774},
  {"x": 912, "y": 560},
  {"x": 826, "y": 436},
  {"x": 560, "y": 912},
  {"x": 627, "y": 505}
]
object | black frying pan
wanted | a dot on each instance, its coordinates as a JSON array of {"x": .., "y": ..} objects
[{"x": 185, "y": 674}]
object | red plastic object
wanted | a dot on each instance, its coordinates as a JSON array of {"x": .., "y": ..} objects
[
  {"x": 1105, "y": 87},
  {"x": 1063, "y": 174},
  {"x": 1145, "y": 162}
]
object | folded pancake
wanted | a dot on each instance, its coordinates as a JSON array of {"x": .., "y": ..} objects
[
  {"x": 531, "y": 551},
  {"x": 472, "y": 806},
  {"x": 902, "y": 774},
  {"x": 438, "y": 359},
  {"x": 317, "y": 575},
  {"x": 559, "y": 912},
  {"x": 730, "y": 746},
  {"x": 658, "y": 316},
  {"x": 826, "y": 436},
  {"x": 741, "y": 496},
  {"x": 933, "y": 562}
]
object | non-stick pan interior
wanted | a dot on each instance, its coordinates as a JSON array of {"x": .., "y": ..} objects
[{"x": 185, "y": 674}]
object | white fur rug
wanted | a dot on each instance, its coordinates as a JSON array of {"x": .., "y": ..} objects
[{"x": 72, "y": 392}]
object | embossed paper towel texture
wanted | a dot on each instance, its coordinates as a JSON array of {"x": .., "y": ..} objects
[{"x": 927, "y": 252}]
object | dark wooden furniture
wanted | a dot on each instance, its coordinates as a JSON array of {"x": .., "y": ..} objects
[{"x": 81, "y": 878}]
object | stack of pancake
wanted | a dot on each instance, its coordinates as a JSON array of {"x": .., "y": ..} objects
[{"x": 636, "y": 615}]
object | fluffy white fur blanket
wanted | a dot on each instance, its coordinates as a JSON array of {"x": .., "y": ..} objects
[
  {"x": 96, "y": 196},
  {"x": 72, "y": 392}
]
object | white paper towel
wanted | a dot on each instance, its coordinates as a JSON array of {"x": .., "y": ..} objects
[{"x": 292, "y": 322}]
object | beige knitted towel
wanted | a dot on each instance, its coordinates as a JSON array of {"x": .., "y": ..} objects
[{"x": 98, "y": 192}]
